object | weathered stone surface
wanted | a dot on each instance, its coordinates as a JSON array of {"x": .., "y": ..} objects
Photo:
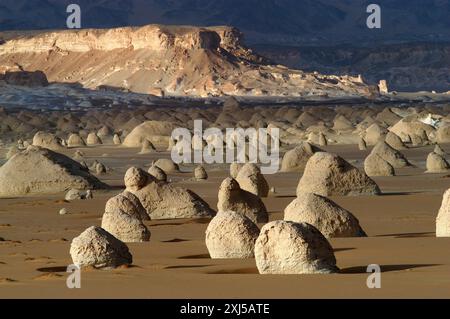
[
  {"x": 233, "y": 198},
  {"x": 328, "y": 174},
  {"x": 231, "y": 235},
  {"x": 324, "y": 214},
  {"x": 291, "y": 248},
  {"x": 97, "y": 248}
]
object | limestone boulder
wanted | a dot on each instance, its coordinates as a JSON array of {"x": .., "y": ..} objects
[
  {"x": 97, "y": 248},
  {"x": 231, "y": 235},
  {"x": 42, "y": 171},
  {"x": 328, "y": 174},
  {"x": 375, "y": 165},
  {"x": 295, "y": 160},
  {"x": 289, "y": 248},
  {"x": 324, "y": 214},
  {"x": 251, "y": 180}
]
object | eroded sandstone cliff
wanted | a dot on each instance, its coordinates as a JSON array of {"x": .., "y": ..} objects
[{"x": 165, "y": 60}]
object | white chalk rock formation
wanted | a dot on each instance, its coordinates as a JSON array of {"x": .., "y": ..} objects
[
  {"x": 164, "y": 201},
  {"x": 375, "y": 165},
  {"x": 328, "y": 174},
  {"x": 233, "y": 198},
  {"x": 251, "y": 180},
  {"x": 157, "y": 132},
  {"x": 436, "y": 163},
  {"x": 93, "y": 139},
  {"x": 200, "y": 173},
  {"x": 157, "y": 173},
  {"x": 75, "y": 140},
  {"x": 117, "y": 140},
  {"x": 295, "y": 160},
  {"x": 443, "y": 218},
  {"x": 324, "y": 214},
  {"x": 167, "y": 165},
  {"x": 293, "y": 248},
  {"x": 394, "y": 141},
  {"x": 47, "y": 140},
  {"x": 41, "y": 171},
  {"x": 231, "y": 235},
  {"x": 97, "y": 248},
  {"x": 390, "y": 155},
  {"x": 123, "y": 218},
  {"x": 147, "y": 147}
]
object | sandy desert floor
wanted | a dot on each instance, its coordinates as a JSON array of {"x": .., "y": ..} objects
[{"x": 176, "y": 264}]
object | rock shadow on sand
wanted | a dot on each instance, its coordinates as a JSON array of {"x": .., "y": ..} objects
[
  {"x": 384, "y": 268},
  {"x": 409, "y": 235}
]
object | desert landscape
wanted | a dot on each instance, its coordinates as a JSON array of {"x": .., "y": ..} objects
[{"x": 88, "y": 176}]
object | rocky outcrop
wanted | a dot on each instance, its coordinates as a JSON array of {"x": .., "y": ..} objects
[
  {"x": 209, "y": 62},
  {"x": 41, "y": 171}
]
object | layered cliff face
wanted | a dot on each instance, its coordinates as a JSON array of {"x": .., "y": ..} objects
[
  {"x": 406, "y": 67},
  {"x": 165, "y": 60}
]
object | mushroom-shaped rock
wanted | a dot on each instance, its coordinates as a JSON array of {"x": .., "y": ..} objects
[
  {"x": 285, "y": 247},
  {"x": 157, "y": 173},
  {"x": 328, "y": 174},
  {"x": 93, "y": 139},
  {"x": 394, "y": 141},
  {"x": 251, "y": 180},
  {"x": 231, "y": 235},
  {"x": 97, "y": 248},
  {"x": 436, "y": 163},
  {"x": 375, "y": 165},
  {"x": 135, "y": 179},
  {"x": 200, "y": 173},
  {"x": 233, "y": 198},
  {"x": 295, "y": 160},
  {"x": 324, "y": 214},
  {"x": 443, "y": 218},
  {"x": 75, "y": 140},
  {"x": 47, "y": 140},
  {"x": 41, "y": 171},
  {"x": 390, "y": 155},
  {"x": 164, "y": 201},
  {"x": 167, "y": 165}
]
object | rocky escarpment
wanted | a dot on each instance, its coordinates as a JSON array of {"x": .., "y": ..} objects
[
  {"x": 165, "y": 60},
  {"x": 407, "y": 67}
]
